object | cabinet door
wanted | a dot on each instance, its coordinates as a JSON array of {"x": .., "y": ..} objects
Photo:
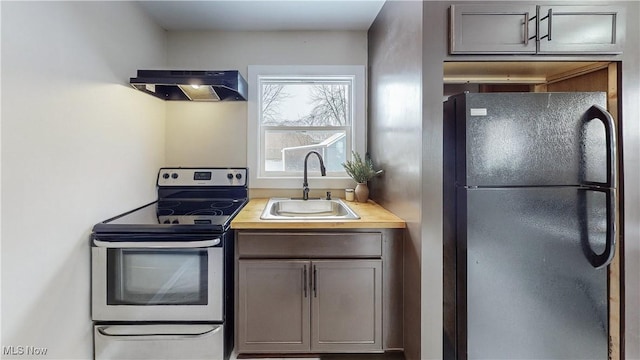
[
  {"x": 346, "y": 306},
  {"x": 581, "y": 29},
  {"x": 273, "y": 306},
  {"x": 492, "y": 29}
]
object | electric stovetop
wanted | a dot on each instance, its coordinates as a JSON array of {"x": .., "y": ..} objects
[{"x": 202, "y": 200}]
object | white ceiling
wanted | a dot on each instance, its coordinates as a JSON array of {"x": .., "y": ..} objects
[{"x": 263, "y": 15}]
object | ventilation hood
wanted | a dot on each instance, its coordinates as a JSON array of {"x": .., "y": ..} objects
[{"x": 192, "y": 85}]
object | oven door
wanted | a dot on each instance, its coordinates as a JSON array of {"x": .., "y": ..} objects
[{"x": 143, "y": 280}]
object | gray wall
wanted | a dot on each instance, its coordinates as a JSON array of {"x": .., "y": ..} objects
[
  {"x": 395, "y": 138},
  {"x": 418, "y": 195},
  {"x": 631, "y": 146}
]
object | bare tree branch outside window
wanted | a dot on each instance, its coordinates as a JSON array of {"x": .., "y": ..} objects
[
  {"x": 298, "y": 113},
  {"x": 330, "y": 105},
  {"x": 300, "y": 116},
  {"x": 322, "y": 105},
  {"x": 272, "y": 97}
]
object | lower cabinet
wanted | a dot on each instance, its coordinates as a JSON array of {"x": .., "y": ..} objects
[
  {"x": 273, "y": 306},
  {"x": 309, "y": 305},
  {"x": 346, "y": 306}
]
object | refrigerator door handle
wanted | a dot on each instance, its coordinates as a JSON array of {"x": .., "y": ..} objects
[
  {"x": 602, "y": 260},
  {"x": 599, "y": 261},
  {"x": 600, "y": 113}
]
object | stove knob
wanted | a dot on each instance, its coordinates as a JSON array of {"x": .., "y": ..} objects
[
  {"x": 174, "y": 176},
  {"x": 229, "y": 176},
  {"x": 175, "y": 221},
  {"x": 238, "y": 176},
  {"x": 166, "y": 221},
  {"x": 165, "y": 176}
]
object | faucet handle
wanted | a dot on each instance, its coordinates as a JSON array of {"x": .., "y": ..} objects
[{"x": 328, "y": 195}]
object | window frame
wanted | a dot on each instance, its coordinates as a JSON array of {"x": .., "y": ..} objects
[{"x": 255, "y": 131}]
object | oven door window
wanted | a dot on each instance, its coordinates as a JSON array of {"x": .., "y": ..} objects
[{"x": 157, "y": 277}]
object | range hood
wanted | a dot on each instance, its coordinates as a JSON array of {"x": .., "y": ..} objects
[{"x": 192, "y": 85}]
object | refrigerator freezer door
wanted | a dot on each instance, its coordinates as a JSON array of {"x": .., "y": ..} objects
[
  {"x": 526, "y": 287},
  {"x": 530, "y": 139}
]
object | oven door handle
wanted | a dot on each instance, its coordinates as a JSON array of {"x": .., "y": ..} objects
[
  {"x": 156, "y": 333},
  {"x": 157, "y": 244}
]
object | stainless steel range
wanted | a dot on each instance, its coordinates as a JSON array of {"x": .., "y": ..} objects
[{"x": 162, "y": 274}]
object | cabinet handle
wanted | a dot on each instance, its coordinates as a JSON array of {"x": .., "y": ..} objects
[
  {"x": 526, "y": 28},
  {"x": 315, "y": 281},
  {"x": 304, "y": 280},
  {"x": 549, "y": 24},
  {"x": 527, "y": 20},
  {"x": 549, "y": 19}
]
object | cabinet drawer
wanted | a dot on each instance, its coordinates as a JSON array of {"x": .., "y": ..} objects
[
  {"x": 309, "y": 245},
  {"x": 159, "y": 341}
]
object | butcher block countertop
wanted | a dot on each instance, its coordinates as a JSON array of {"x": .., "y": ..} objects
[{"x": 372, "y": 216}]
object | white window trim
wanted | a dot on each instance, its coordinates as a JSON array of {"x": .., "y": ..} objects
[{"x": 253, "y": 132}]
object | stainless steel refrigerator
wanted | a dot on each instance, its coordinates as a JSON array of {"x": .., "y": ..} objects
[{"x": 530, "y": 225}]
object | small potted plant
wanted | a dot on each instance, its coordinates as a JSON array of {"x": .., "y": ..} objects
[{"x": 360, "y": 171}]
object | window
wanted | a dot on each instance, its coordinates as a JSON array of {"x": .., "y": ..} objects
[{"x": 297, "y": 109}]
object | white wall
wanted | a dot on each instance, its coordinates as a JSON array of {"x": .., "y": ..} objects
[
  {"x": 82, "y": 145},
  {"x": 215, "y": 134},
  {"x": 78, "y": 146}
]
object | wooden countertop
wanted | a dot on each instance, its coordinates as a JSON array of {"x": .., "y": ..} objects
[{"x": 372, "y": 216}]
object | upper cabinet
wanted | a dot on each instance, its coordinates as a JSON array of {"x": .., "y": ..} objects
[
  {"x": 581, "y": 29},
  {"x": 530, "y": 29},
  {"x": 492, "y": 29}
]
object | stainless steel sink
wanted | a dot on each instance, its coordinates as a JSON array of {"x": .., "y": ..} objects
[{"x": 312, "y": 209}]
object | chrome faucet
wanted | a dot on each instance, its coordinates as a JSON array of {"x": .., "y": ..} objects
[{"x": 305, "y": 184}]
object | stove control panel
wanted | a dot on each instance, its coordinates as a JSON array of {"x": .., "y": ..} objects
[
  {"x": 187, "y": 220},
  {"x": 202, "y": 177}
]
